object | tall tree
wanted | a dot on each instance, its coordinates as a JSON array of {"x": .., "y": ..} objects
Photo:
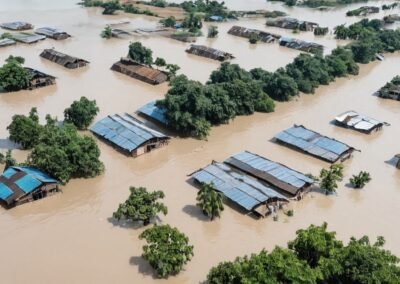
[
  {"x": 13, "y": 76},
  {"x": 330, "y": 177},
  {"x": 210, "y": 201},
  {"x": 81, "y": 113},
  {"x": 25, "y": 130},
  {"x": 140, "y": 54}
]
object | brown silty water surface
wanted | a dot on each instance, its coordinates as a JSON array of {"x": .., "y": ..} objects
[{"x": 69, "y": 238}]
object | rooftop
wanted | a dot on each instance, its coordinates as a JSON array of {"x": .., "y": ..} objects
[
  {"x": 154, "y": 112},
  {"x": 28, "y": 37},
  {"x": 16, "y": 26},
  {"x": 358, "y": 121}
]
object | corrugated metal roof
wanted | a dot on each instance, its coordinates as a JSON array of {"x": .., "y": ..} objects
[
  {"x": 28, "y": 37},
  {"x": 256, "y": 163},
  {"x": 153, "y": 111},
  {"x": 358, "y": 121},
  {"x": 125, "y": 131},
  {"x": 18, "y": 25},
  {"x": 239, "y": 188},
  {"x": 37, "y": 174},
  {"x": 5, "y": 191},
  {"x": 313, "y": 143}
]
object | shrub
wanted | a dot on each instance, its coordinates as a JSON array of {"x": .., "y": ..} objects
[
  {"x": 210, "y": 201},
  {"x": 360, "y": 180}
]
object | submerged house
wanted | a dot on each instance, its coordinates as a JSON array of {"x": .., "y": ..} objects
[
  {"x": 153, "y": 112},
  {"x": 292, "y": 24},
  {"x": 391, "y": 90},
  {"x": 62, "y": 59},
  {"x": 141, "y": 72},
  {"x": 292, "y": 183},
  {"x": 53, "y": 33},
  {"x": 7, "y": 42},
  {"x": 28, "y": 38},
  {"x": 119, "y": 33},
  {"x": 246, "y": 192},
  {"x": 129, "y": 135},
  {"x": 362, "y": 123},
  {"x": 247, "y": 33},
  {"x": 40, "y": 79},
  {"x": 314, "y": 144},
  {"x": 16, "y": 26},
  {"x": 19, "y": 185},
  {"x": 209, "y": 52},
  {"x": 301, "y": 45}
]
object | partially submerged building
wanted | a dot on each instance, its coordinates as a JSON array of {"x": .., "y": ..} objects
[
  {"x": 391, "y": 90},
  {"x": 16, "y": 26},
  {"x": 40, "y": 79},
  {"x": 28, "y": 38},
  {"x": 129, "y": 135},
  {"x": 120, "y": 33},
  {"x": 139, "y": 71},
  {"x": 359, "y": 122},
  {"x": 247, "y": 33},
  {"x": 19, "y": 185},
  {"x": 292, "y": 24},
  {"x": 62, "y": 59},
  {"x": 53, "y": 33},
  {"x": 153, "y": 112},
  {"x": 301, "y": 45},
  {"x": 398, "y": 161},
  {"x": 292, "y": 183},
  {"x": 363, "y": 11},
  {"x": 308, "y": 141},
  {"x": 246, "y": 192},
  {"x": 7, "y": 42},
  {"x": 209, "y": 52}
]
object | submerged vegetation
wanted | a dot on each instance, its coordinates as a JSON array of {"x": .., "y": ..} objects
[
  {"x": 13, "y": 76},
  {"x": 328, "y": 178},
  {"x": 210, "y": 201},
  {"x": 360, "y": 180},
  {"x": 314, "y": 256}
]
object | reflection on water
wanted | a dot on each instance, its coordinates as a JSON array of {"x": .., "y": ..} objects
[{"x": 70, "y": 233}]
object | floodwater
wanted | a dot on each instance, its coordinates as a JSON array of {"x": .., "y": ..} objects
[{"x": 70, "y": 238}]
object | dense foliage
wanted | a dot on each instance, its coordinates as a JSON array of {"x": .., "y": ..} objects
[
  {"x": 319, "y": 3},
  {"x": 13, "y": 76},
  {"x": 210, "y": 201},
  {"x": 212, "y": 31},
  {"x": 57, "y": 150},
  {"x": 169, "y": 22},
  {"x": 81, "y": 113},
  {"x": 107, "y": 32},
  {"x": 330, "y": 177},
  {"x": 320, "y": 31},
  {"x": 360, "y": 180},
  {"x": 167, "y": 250},
  {"x": 141, "y": 205},
  {"x": 208, "y": 8},
  {"x": 140, "y": 54},
  {"x": 7, "y": 160},
  {"x": 314, "y": 256},
  {"x": 274, "y": 14}
]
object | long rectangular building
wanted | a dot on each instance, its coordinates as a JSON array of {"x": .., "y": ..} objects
[
  {"x": 359, "y": 122},
  {"x": 314, "y": 144},
  {"x": 287, "y": 180}
]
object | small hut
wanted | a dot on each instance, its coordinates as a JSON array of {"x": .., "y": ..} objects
[
  {"x": 359, "y": 122},
  {"x": 16, "y": 26},
  {"x": 308, "y": 141},
  {"x": 129, "y": 135},
  {"x": 28, "y": 38},
  {"x": 19, "y": 185},
  {"x": 39, "y": 79},
  {"x": 247, "y": 33},
  {"x": 7, "y": 42},
  {"x": 301, "y": 45},
  {"x": 62, "y": 59},
  {"x": 209, "y": 52},
  {"x": 139, "y": 71},
  {"x": 53, "y": 33},
  {"x": 242, "y": 190},
  {"x": 293, "y": 24}
]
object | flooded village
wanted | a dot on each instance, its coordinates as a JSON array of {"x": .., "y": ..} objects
[{"x": 264, "y": 164}]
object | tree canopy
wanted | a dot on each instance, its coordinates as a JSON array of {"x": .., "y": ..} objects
[
  {"x": 167, "y": 249},
  {"x": 330, "y": 177},
  {"x": 13, "y": 76},
  {"x": 25, "y": 130},
  {"x": 140, "y": 54},
  {"x": 141, "y": 205},
  {"x": 81, "y": 113},
  {"x": 210, "y": 201}
]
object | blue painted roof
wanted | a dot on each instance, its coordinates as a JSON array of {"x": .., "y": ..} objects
[
  {"x": 239, "y": 188},
  {"x": 32, "y": 179},
  {"x": 313, "y": 143},
  {"x": 253, "y": 163},
  {"x": 125, "y": 131},
  {"x": 153, "y": 111},
  {"x": 216, "y": 18}
]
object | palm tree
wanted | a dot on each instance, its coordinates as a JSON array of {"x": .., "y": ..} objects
[{"x": 210, "y": 201}]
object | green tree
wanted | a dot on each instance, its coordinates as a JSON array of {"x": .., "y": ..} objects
[
  {"x": 13, "y": 76},
  {"x": 160, "y": 62},
  {"x": 107, "y": 32},
  {"x": 360, "y": 180},
  {"x": 141, "y": 205},
  {"x": 210, "y": 201},
  {"x": 140, "y": 53},
  {"x": 169, "y": 22},
  {"x": 172, "y": 69},
  {"x": 167, "y": 250},
  {"x": 254, "y": 38},
  {"x": 330, "y": 177},
  {"x": 81, "y": 113},
  {"x": 192, "y": 22},
  {"x": 212, "y": 31},
  {"x": 290, "y": 2},
  {"x": 110, "y": 7},
  {"x": 281, "y": 87},
  {"x": 25, "y": 130},
  {"x": 341, "y": 32},
  {"x": 7, "y": 160}
]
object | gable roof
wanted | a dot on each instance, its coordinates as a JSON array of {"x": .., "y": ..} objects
[
  {"x": 314, "y": 143},
  {"x": 358, "y": 121},
  {"x": 271, "y": 172},
  {"x": 239, "y": 188},
  {"x": 154, "y": 112},
  {"x": 27, "y": 37},
  {"x": 19, "y": 181},
  {"x": 52, "y": 33},
  {"x": 61, "y": 58},
  {"x": 125, "y": 131},
  {"x": 209, "y": 52},
  {"x": 16, "y": 26}
]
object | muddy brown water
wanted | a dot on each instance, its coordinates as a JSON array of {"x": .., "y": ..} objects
[{"x": 69, "y": 238}]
